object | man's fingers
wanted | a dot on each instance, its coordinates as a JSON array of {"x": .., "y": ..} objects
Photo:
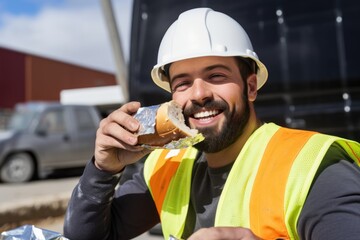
[
  {"x": 123, "y": 116},
  {"x": 119, "y": 133}
]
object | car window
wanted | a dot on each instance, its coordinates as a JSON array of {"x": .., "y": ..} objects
[
  {"x": 53, "y": 121},
  {"x": 84, "y": 120}
]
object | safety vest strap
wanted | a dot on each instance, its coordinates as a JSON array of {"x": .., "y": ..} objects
[
  {"x": 301, "y": 177},
  {"x": 159, "y": 182},
  {"x": 168, "y": 175},
  {"x": 233, "y": 207},
  {"x": 267, "y": 215}
]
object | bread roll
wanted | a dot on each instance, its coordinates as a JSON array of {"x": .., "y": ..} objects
[{"x": 169, "y": 126}]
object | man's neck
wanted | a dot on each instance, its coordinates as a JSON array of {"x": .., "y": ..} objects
[{"x": 229, "y": 154}]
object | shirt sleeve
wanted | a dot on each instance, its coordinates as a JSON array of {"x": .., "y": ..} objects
[
  {"x": 332, "y": 208},
  {"x": 100, "y": 208}
]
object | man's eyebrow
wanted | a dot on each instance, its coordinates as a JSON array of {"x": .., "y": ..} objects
[
  {"x": 208, "y": 68},
  {"x": 178, "y": 76},
  {"x": 211, "y": 67}
]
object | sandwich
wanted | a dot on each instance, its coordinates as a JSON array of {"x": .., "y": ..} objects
[{"x": 163, "y": 126}]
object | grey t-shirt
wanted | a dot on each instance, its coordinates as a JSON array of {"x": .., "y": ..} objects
[{"x": 206, "y": 188}]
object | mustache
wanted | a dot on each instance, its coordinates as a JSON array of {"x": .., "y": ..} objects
[{"x": 209, "y": 105}]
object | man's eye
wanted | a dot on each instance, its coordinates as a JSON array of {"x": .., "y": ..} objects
[
  {"x": 217, "y": 77},
  {"x": 180, "y": 85}
]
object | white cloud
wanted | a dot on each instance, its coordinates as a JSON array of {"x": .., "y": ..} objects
[{"x": 72, "y": 33}]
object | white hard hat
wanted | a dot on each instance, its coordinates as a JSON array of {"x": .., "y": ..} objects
[{"x": 204, "y": 32}]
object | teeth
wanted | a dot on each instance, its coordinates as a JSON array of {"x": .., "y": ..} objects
[{"x": 206, "y": 114}]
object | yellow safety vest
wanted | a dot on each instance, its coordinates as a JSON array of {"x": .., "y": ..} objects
[{"x": 266, "y": 187}]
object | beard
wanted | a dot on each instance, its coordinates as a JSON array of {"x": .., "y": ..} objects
[{"x": 231, "y": 129}]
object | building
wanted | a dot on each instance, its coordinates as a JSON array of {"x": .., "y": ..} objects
[{"x": 27, "y": 77}]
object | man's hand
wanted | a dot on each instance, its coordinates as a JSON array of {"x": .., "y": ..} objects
[
  {"x": 223, "y": 233},
  {"x": 116, "y": 141}
]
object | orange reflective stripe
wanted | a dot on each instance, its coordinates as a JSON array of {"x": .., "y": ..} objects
[
  {"x": 267, "y": 217},
  {"x": 353, "y": 152},
  {"x": 164, "y": 170}
]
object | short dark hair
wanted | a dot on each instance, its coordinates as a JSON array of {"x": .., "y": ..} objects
[
  {"x": 247, "y": 66},
  {"x": 166, "y": 70}
]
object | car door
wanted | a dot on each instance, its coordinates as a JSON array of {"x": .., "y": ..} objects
[
  {"x": 52, "y": 141},
  {"x": 85, "y": 122}
]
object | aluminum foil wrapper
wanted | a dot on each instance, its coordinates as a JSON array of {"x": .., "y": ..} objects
[
  {"x": 30, "y": 232},
  {"x": 147, "y": 118}
]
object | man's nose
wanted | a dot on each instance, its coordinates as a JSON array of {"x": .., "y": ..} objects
[{"x": 200, "y": 91}]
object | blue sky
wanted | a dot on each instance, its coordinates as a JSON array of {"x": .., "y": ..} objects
[
  {"x": 28, "y": 7},
  {"x": 19, "y": 7},
  {"x": 68, "y": 30}
]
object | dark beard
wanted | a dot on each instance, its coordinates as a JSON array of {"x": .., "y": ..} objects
[{"x": 232, "y": 128}]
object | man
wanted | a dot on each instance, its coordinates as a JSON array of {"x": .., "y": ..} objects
[{"x": 246, "y": 180}]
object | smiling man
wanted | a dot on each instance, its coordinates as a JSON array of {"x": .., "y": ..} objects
[
  {"x": 216, "y": 101},
  {"x": 246, "y": 180}
]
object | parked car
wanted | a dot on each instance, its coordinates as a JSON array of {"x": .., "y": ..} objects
[{"x": 42, "y": 137}]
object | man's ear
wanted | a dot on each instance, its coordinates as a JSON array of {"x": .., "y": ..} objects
[{"x": 252, "y": 87}]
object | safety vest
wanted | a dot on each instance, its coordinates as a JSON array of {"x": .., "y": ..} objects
[{"x": 266, "y": 187}]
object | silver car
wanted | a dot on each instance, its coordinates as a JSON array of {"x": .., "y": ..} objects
[{"x": 43, "y": 136}]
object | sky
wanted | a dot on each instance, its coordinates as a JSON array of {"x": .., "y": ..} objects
[{"x": 73, "y": 31}]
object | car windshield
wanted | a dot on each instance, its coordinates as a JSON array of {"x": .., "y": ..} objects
[{"x": 21, "y": 120}]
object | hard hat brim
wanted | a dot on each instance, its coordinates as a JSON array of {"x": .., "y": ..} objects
[{"x": 161, "y": 80}]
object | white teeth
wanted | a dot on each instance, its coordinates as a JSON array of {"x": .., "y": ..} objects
[{"x": 206, "y": 114}]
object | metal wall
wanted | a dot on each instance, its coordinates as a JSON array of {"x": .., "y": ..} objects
[
  {"x": 12, "y": 78},
  {"x": 25, "y": 77},
  {"x": 46, "y": 78}
]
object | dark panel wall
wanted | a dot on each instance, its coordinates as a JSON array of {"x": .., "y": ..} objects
[{"x": 310, "y": 48}]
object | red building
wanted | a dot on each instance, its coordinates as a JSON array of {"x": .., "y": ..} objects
[{"x": 26, "y": 77}]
